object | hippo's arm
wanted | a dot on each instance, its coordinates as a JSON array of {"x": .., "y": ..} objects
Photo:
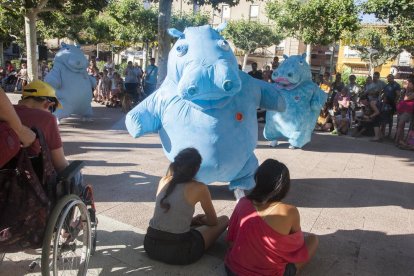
[
  {"x": 145, "y": 117},
  {"x": 318, "y": 98},
  {"x": 54, "y": 77},
  {"x": 270, "y": 98}
]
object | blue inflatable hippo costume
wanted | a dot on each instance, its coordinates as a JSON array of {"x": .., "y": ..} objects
[
  {"x": 207, "y": 103},
  {"x": 72, "y": 83},
  {"x": 304, "y": 101}
]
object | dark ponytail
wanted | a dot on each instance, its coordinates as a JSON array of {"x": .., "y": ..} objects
[
  {"x": 272, "y": 182},
  {"x": 184, "y": 168}
]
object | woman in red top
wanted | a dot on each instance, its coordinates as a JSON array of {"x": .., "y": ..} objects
[{"x": 264, "y": 233}]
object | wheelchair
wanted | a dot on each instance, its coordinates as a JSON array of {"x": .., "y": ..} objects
[{"x": 70, "y": 234}]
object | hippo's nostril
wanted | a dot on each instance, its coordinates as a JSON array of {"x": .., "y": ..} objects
[
  {"x": 290, "y": 75},
  {"x": 227, "y": 85},
  {"x": 191, "y": 90}
]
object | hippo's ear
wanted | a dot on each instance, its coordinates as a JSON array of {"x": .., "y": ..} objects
[
  {"x": 77, "y": 45},
  {"x": 285, "y": 57},
  {"x": 303, "y": 55},
  {"x": 175, "y": 33},
  {"x": 63, "y": 44},
  {"x": 221, "y": 27}
]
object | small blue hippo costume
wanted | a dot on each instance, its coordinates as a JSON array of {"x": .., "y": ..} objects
[
  {"x": 72, "y": 83},
  {"x": 304, "y": 101},
  {"x": 207, "y": 103}
]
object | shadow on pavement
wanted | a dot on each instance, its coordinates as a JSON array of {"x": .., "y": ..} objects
[
  {"x": 362, "y": 252},
  {"x": 130, "y": 186},
  {"x": 350, "y": 192},
  {"x": 73, "y": 148}
]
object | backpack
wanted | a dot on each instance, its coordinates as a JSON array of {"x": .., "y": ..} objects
[{"x": 26, "y": 199}]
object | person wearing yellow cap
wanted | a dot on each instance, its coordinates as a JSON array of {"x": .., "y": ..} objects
[{"x": 35, "y": 110}]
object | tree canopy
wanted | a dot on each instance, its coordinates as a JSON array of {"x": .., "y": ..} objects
[
  {"x": 251, "y": 35},
  {"x": 374, "y": 45},
  {"x": 314, "y": 21},
  {"x": 399, "y": 15}
]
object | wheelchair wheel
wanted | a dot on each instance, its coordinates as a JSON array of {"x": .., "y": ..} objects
[
  {"x": 2, "y": 257},
  {"x": 67, "y": 240}
]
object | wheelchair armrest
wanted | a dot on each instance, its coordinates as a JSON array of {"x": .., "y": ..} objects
[{"x": 71, "y": 170}]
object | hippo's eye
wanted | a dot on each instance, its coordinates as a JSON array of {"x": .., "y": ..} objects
[
  {"x": 182, "y": 50},
  {"x": 223, "y": 45},
  {"x": 301, "y": 62}
]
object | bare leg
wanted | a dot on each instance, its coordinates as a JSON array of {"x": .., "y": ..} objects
[
  {"x": 211, "y": 233},
  {"x": 312, "y": 243},
  {"x": 400, "y": 132},
  {"x": 378, "y": 135}
]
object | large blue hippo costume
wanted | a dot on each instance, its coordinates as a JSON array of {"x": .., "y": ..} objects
[
  {"x": 206, "y": 102},
  {"x": 304, "y": 101},
  {"x": 72, "y": 83}
]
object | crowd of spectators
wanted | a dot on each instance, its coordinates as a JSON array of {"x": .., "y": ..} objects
[
  {"x": 111, "y": 86},
  {"x": 368, "y": 110}
]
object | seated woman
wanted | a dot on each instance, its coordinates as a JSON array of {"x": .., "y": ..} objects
[
  {"x": 370, "y": 121},
  {"x": 169, "y": 237},
  {"x": 324, "y": 122},
  {"x": 341, "y": 120},
  {"x": 405, "y": 109},
  {"x": 264, "y": 233}
]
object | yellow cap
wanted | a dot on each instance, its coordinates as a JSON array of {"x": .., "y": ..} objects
[{"x": 40, "y": 88}]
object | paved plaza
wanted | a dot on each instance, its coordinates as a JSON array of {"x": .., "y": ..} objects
[{"x": 356, "y": 195}]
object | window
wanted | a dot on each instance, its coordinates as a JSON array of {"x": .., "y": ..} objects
[
  {"x": 254, "y": 12},
  {"x": 350, "y": 53},
  {"x": 225, "y": 12}
]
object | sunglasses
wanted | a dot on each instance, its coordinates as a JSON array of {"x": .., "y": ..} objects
[{"x": 52, "y": 101}]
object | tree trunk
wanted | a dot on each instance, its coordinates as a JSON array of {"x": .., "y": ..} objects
[
  {"x": 1, "y": 53},
  {"x": 246, "y": 55},
  {"x": 370, "y": 66},
  {"x": 145, "y": 56},
  {"x": 164, "y": 18},
  {"x": 308, "y": 53},
  {"x": 31, "y": 42}
]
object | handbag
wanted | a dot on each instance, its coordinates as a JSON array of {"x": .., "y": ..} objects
[
  {"x": 26, "y": 199},
  {"x": 9, "y": 143}
]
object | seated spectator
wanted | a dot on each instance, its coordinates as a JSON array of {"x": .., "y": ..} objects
[
  {"x": 341, "y": 123},
  {"x": 264, "y": 234},
  {"x": 34, "y": 110},
  {"x": 341, "y": 105},
  {"x": 354, "y": 91},
  {"x": 369, "y": 123},
  {"x": 405, "y": 109},
  {"x": 324, "y": 122},
  {"x": 169, "y": 237}
]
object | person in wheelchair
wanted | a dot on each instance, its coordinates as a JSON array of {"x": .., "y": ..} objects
[{"x": 35, "y": 110}]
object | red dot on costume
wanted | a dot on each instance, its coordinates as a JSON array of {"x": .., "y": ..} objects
[{"x": 239, "y": 116}]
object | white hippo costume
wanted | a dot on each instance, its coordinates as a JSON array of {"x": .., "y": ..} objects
[
  {"x": 207, "y": 103},
  {"x": 304, "y": 100},
  {"x": 72, "y": 83}
]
